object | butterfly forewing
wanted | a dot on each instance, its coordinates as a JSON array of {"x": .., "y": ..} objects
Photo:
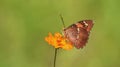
[{"x": 86, "y": 24}]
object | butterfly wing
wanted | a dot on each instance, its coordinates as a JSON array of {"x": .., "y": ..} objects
[
  {"x": 85, "y": 24},
  {"x": 81, "y": 38},
  {"x": 71, "y": 33}
]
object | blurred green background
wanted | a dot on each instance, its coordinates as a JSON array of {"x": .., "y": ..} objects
[{"x": 25, "y": 23}]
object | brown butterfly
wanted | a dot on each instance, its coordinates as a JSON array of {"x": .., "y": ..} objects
[{"x": 78, "y": 33}]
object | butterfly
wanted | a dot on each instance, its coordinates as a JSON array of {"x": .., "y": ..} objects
[{"x": 78, "y": 33}]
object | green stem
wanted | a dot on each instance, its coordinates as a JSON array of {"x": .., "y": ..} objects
[{"x": 55, "y": 57}]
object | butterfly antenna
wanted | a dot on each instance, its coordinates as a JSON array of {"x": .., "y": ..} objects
[{"x": 62, "y": 20}]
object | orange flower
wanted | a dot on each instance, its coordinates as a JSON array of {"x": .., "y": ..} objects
[{"x": 58, "y": 41}]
